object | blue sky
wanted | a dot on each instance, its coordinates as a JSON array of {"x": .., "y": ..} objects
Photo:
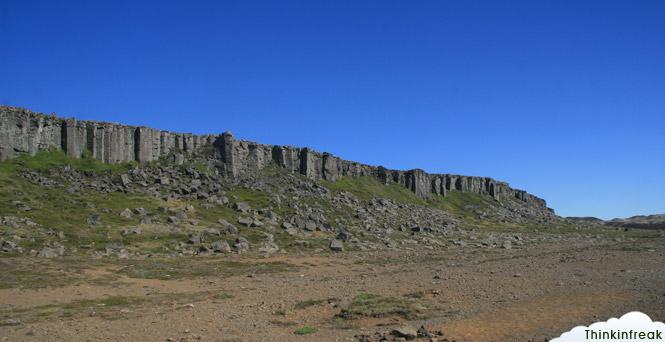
[{"x": 565, "y": 99}]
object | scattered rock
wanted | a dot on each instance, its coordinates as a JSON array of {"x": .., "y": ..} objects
[{"x": 9, "y": 246}]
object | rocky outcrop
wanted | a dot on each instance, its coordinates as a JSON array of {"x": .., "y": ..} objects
[{"x": 23, "y": 131}]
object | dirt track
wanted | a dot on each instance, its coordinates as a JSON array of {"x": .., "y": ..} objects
[{"x": 470, "y": 294}]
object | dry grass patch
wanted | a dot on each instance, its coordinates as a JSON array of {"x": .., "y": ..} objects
[{"x": 376, "y": 306}]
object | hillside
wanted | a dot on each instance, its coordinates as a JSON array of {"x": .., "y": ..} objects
[
  {"x": 210, "y": 236},
  {"x": 81, "y": 187},
  {"x": 656, "y": 221}
]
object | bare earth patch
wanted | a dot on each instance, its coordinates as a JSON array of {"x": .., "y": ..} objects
[{"x": 531, "y": 293}]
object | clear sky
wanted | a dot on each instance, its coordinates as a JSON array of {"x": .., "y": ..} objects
[{"x": 565, "y": 99}]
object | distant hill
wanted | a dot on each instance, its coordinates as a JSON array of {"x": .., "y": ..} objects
[
  {"x": 584, "y": 219},
  {"x": 656, "y": 221}
]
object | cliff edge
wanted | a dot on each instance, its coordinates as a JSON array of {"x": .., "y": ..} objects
[{"x": 25, "y": 132}]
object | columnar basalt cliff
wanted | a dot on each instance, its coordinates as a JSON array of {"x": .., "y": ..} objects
[{"x": 24, "y": 131}]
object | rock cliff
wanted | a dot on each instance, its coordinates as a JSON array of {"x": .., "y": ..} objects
[{"x": 24, "y": 131}]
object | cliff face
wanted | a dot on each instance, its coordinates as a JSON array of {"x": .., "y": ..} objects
[{"x": 23, "y": 131}]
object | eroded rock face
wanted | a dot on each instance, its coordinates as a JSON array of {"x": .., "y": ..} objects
[{"x": 23, "y": 131}]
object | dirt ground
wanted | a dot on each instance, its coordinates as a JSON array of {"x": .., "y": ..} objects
[{"x": 530, "y": 293}]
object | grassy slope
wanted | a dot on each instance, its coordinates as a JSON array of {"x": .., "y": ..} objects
[
  {"x": 55, "y": 208},
  {"x": 366, "y": 188},
  {"x": 463, "y": 205},
  {"x": 62, "y": 211},
  {"x": 68, "y": 212}
]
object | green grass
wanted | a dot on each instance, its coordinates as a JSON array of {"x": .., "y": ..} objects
[
  {"x": 308, "y": 303},
  {"x": 24, "y": 273},
  {"x": 372, "y": 305},
  {"x": 367, "y": 188},
  {"x": 54, "y": 207},
  {"x": 213, "y": 214},
  {"x": 256, "y": 199},
  {"x": 222, "y": 296},
  {"x": 305, "y": 330},
  {"x": 46, "y": 159},
  {"x": 106, "y": 308},
  {"x": 461, "y": 204}
]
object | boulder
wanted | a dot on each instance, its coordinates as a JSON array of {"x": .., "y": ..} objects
[
  {"x": 310, "y": 225},
  {"x": 95, "y": 220},
  {"x": 241, "y": 245},
  {"x": 131, "y": 231},
  {"x": 125, "y": 180},
  {"x": 196, "y": 238},
  {"x": 114, "y": 247},
  {"x": 424, "y": 333},
  {"x": 336, "y": 245},
  {"x": 406, "y": 331},
  {"x": 269, "y": 248},
  {"x": 51, "y": 252},
  {"x": 178, "y": 159},
  {"x": 343, "y": 236},
  {"x": 245, "y": 221},
  {"x": 242, "y": 207},
  {"x": 231, "y": 229},
  {"x": 126, "y": 213},
  {"x": 220, "y": 246},
  {"x": 9, "y": 246}
]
